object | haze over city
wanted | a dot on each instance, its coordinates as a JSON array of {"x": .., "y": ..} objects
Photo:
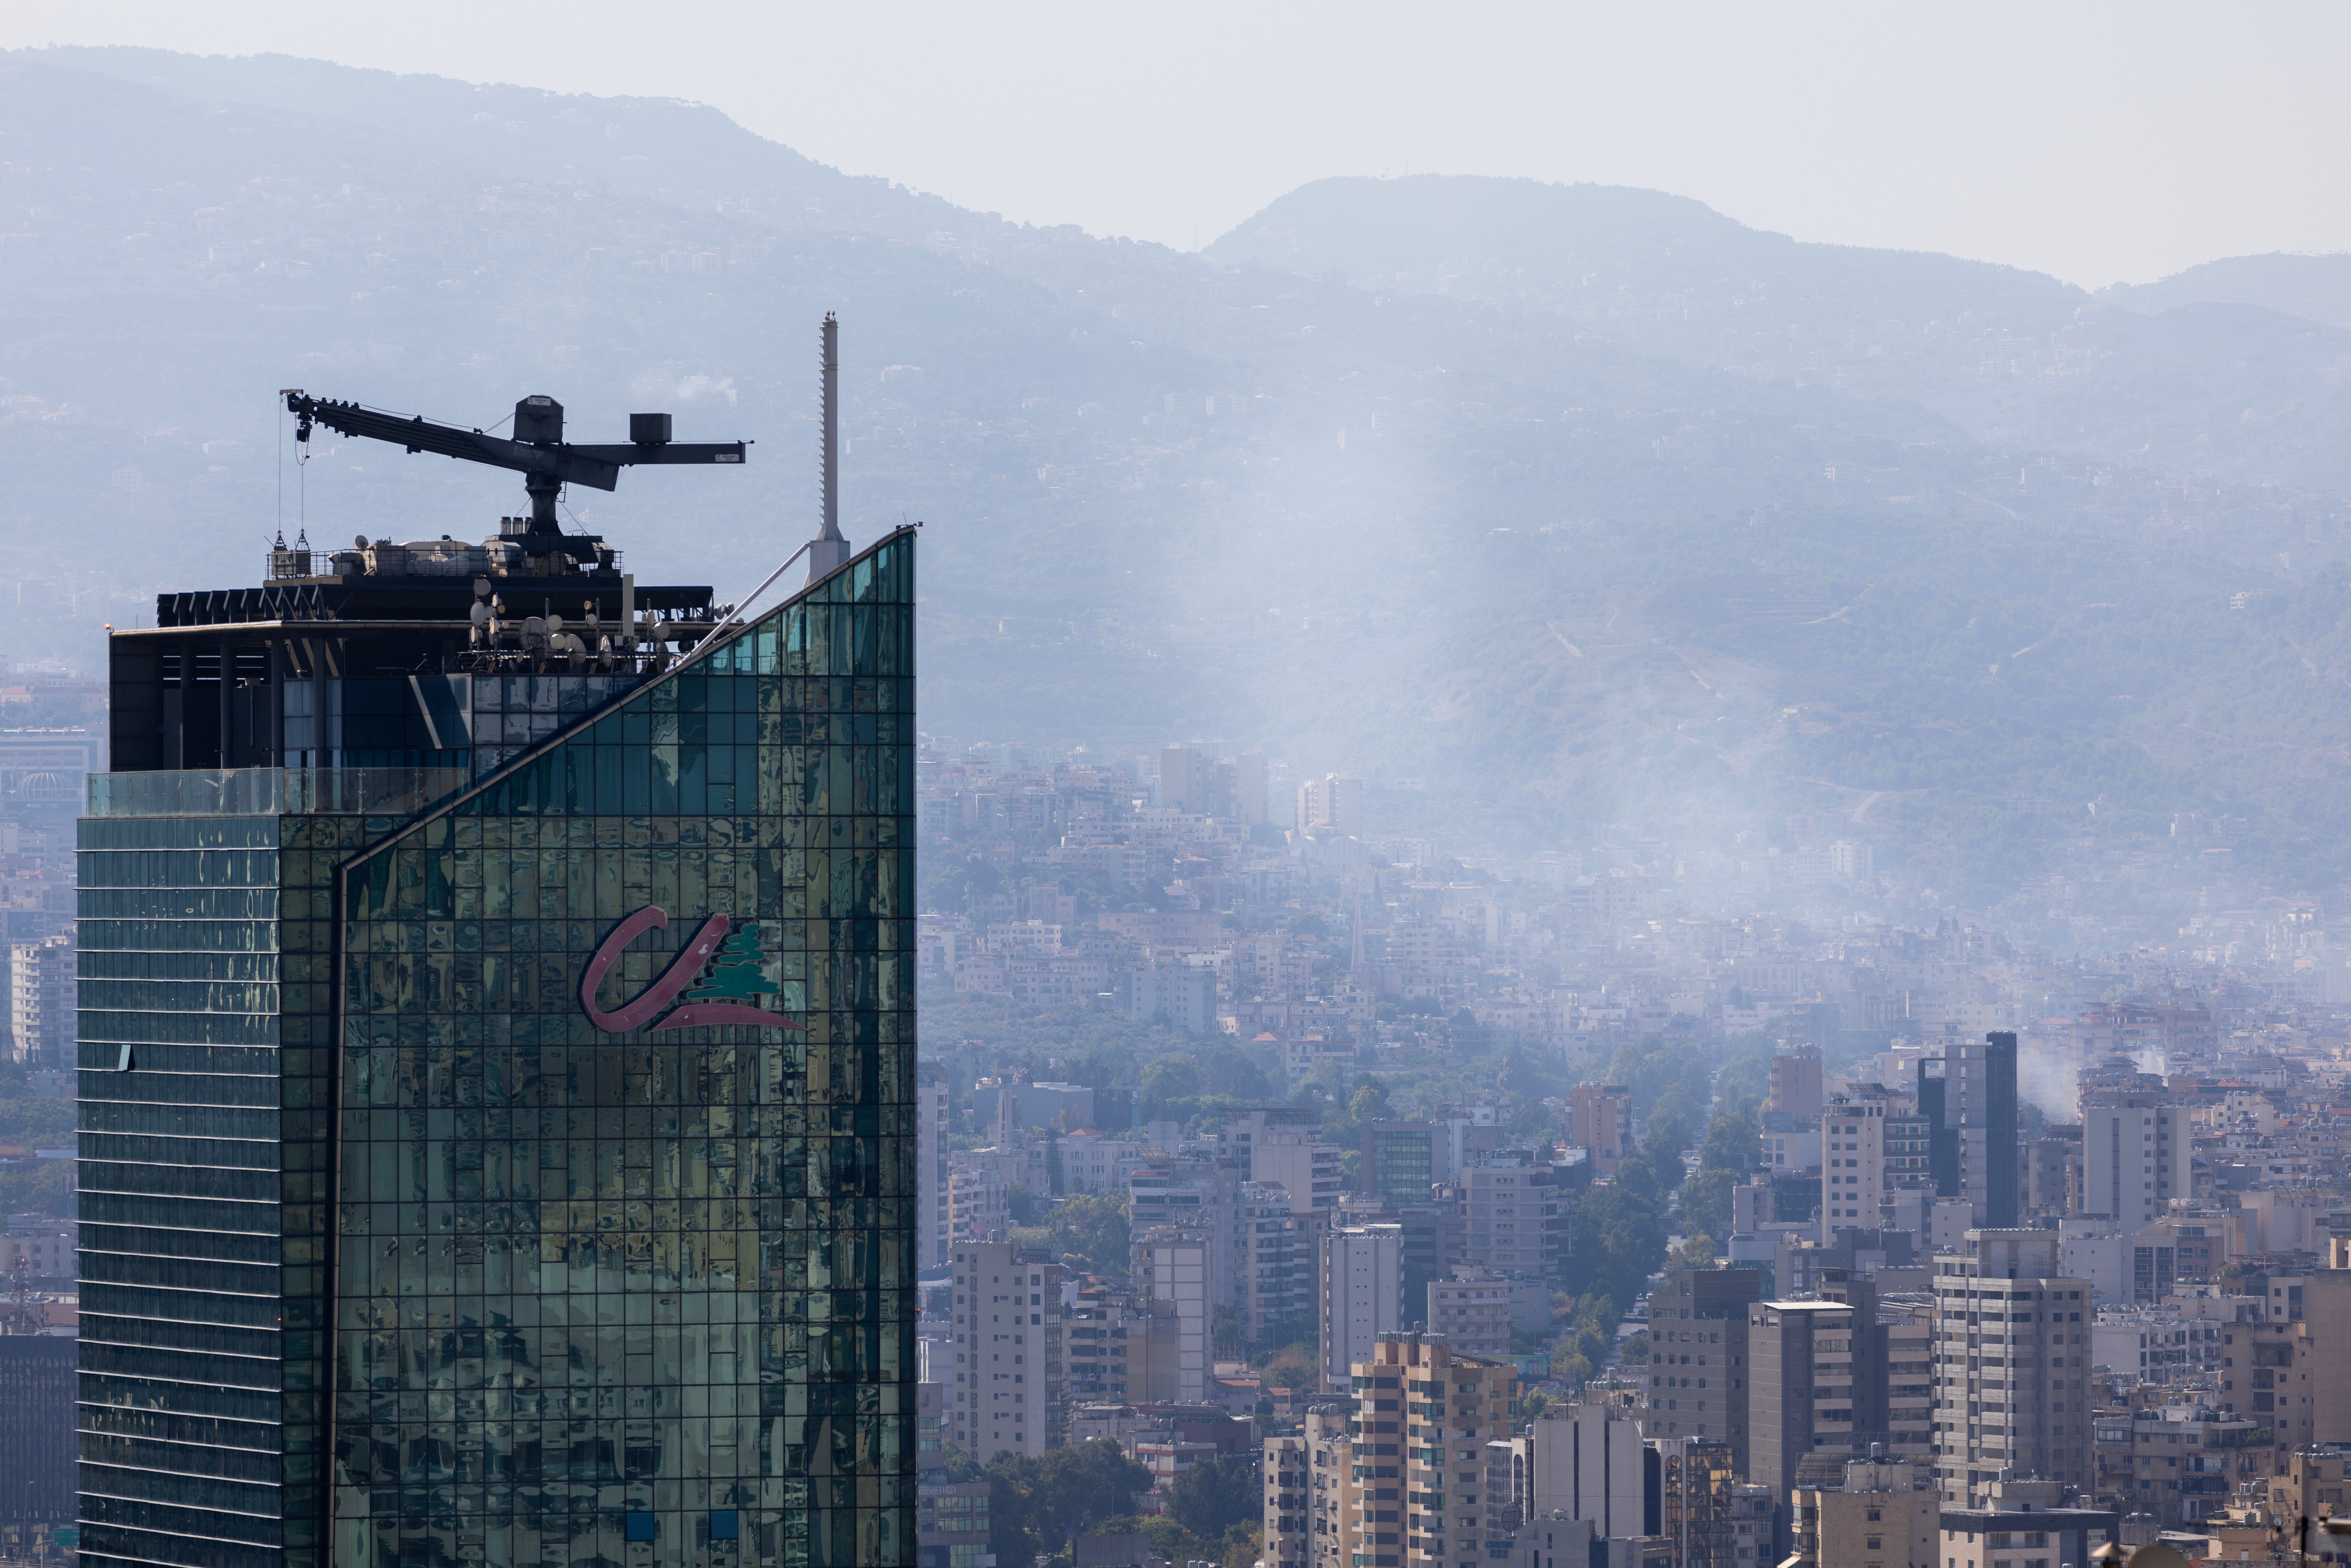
[{"x": 1273, "y": 788}]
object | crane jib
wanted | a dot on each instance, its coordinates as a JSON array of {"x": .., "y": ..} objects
[{"x": 545, "y": 460}]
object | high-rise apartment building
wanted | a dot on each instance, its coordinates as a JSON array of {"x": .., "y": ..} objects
[
  {"x": 1600, "y": 1123},
  {"x": 979, "y": 1203},
  {"x": 1517, "y": 1223},
  {"x": 1473, "y": 1314},
  {"x": 1184, "y": 777},
  {"x": 1423, "y": 1417},
  {"x": 1795, "y": 1082},
  {"x": 1588, "y": 1460},
  {"x": 1697, "y": 1357},
  {"x": 1305, "y": 1166},
  {"x": 2011, "y": 1365},
  {"x": 2138, "y": 1154},
  {"x": 1360, "y": 1291},
  {"x": 1800, "y": 1387},
  {"x": 933, "y": 1222},
  {"x": 40, "y": 976},
  {"x": 497, "y": 1119},
  {"x": 1968, "y": 1095},
  {"x": 2052, "y": 1183},
  {"x": 1287, "y": 1467},
  {"x": 1006, "y": 1316},
  {"x": 1268, "y": 1280},
  {"x": 1248, "y": 789},
  {"x": 1175, "y": 1274},
  {"x": 1305, "y": 1479},
  {"x": 1331, "y": 804},
  {"x": 2149, "y": 1036},
  {"x": 1198, "y": 1195},
  {"x": 1852, "y": 1163}
]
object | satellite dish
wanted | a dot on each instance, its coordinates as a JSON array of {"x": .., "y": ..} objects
[
  {"x": 359, "y": 542},
  {"x": 480, "y": 613},
  {"x": 481, "y": 587},
  {"x": 554, "y": 625}
]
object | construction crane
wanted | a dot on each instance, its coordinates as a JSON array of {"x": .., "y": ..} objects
[{"x": 537, "y": 450}]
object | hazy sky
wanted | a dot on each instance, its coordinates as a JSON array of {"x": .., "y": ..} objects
[{"x": 2101, "y": 143}]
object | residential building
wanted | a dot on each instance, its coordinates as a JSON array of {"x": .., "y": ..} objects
[
  {"x": 1092, "y": 1161},
  {"x": 1472, "y": 1312},
  {"x": 1588, "y": 1461},
  {"x": 41, "y": 1001},
  {"x": 1272, "y": 1279},
  {"x": 1423, "y": 1417},
  {"x": 1287, "y": 1468},
  {"x": 1360, "y": 1294},
  {"x": 1005, "y": 1314},
  {"x": 1968, "y": 1094},
  {"x": 979, "y": 1202},
  {"x": 2012, "y": 1353},
  {"x": 2022, "y": 1523},
  {"x": 1304, "y": 1165},
  {"x": 1172, "y": 1272},
  {"x": 2181, "y": 1464},
  {"x": 1600, "y": 1123},
  {"x": 1800, "y": 1391},
  {"x": 1197, "y": 1194},
  {"x": 1853, "y": 1162},
  {"x": 1517, "y": 1223},
  {"x": 2137, "y": 1154},
  {"x": 1885, "y": 1514},
  {"x": 1750, "y": 1526},
  {"x": 1795, "y": 1083},
  {"x": 935, "y": 1221},
  {"x": 1330, "y": 1458},
  {"x": 1331, "y": 804},
  {"x": 1177, "y": 997},
  {"x": 1020, "y": 1106},
  {"x": 1697, "y": 1353}
]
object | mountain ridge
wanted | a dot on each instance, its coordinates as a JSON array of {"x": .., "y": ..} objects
[{"x": 1558, "y": 564}]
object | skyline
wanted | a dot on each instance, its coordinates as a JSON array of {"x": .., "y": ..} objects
[{"x": 2116, "y": 147}]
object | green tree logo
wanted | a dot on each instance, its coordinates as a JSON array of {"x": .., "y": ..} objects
[{"x": 733, "y": 974}]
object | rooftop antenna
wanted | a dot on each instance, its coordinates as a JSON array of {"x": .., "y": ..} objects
[{"x": 828, "y": 550}]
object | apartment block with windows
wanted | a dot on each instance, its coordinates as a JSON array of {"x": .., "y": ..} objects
[
  {"x": 1416, "y": 1481},
  {"x": 2012, "y": 1366},
  {"x": 1003, "y": 1390}
]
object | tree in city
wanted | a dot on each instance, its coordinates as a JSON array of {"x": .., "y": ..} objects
[{"x": 1214, "y": 1495}]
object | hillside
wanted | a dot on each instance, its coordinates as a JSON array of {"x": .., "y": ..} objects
[
  {"x": 2232, "y": 388},
  {"x": 1432, "y": 508},
  {"x": 2315, "y": 287}
]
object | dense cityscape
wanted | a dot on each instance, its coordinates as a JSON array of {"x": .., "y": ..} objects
[
  {"x": 1281, "y": 1123},
  {"x": 1534, "y": 870}
]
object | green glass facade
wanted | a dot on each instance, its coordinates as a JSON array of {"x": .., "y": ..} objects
[{"x": 399, "y": 1250}]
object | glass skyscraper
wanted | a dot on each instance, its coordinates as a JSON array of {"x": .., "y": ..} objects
[{"x": 498, "y": 1132}]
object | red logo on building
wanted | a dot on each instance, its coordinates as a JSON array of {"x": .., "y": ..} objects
[{"x": 718, "y": 976}]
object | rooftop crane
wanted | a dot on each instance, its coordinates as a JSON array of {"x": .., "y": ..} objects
[{"x": 537, "y": 450}]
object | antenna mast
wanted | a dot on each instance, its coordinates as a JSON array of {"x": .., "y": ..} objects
[{"x": 829, "y": 549}]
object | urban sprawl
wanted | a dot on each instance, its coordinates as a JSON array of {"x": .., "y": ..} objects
[{"x": 1296, "y": 1196}]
